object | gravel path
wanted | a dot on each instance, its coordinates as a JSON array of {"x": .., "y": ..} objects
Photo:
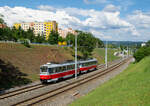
[{"x": 71, "y": 95}]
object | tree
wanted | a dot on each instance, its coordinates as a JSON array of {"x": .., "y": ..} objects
[
  {"x": 40, "y": 39},
  {"x": 142, "y": 52},
  {"x": 148, "y": 43},
  {"x": 2, "y": 21},
  {"x": 25, "y": 42},
  {"x": 86, "y": 43},
  {"x": 70, "y": 38},
  {"x": 53, "y": 37},
  {"x": 30, "y": 35},
  {"x": 61, "y": 39},
  {"x": 99, "y": 43}
]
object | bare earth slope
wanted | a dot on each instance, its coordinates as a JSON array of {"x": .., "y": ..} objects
[{"x": 28, "y": 60}]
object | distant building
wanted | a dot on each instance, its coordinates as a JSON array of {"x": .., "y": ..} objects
[
  {"x": 3, "y": 25},
  {"x": 143, "y": 44},
  {"x": 42, "y": 28},
  {"x": 63, "y": 33}
]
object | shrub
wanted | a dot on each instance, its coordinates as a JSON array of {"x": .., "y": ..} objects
[
  {"x": 141, "y": 53},
  {"x": 25, "y": 42}
]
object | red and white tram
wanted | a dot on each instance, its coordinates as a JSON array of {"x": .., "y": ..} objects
[{"x": 53, "y": 72}]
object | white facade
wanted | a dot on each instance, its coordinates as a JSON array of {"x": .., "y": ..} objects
[
  {"x": 25, "y": 26},
  {"x": 39, "y": 28},
  {"x": 63, "y": 33},
  {"x": 143, "y": 44}
]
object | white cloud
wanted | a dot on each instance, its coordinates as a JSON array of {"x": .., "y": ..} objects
[
  {"x": 101, "y": 19},
  {"x": 112, "y": 8},
  {"x": 139, "y": 19},
  {"x": 100, "y": 35},
  {"x": 94, "y": 1},
  {"x": 22, "y": 14},
  {"x": 46, "y": 7},
  {"x": 100, "y": 23}
]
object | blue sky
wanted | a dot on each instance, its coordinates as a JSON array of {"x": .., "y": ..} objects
[
  {"x": 131, "y": 5},
  {"x": 124, "y": 19}
]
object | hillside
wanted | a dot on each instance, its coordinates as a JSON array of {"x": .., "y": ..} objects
[
  {"x": 22, "y": 62},
  {"x": 99, "y": 53},
  {"x": 131, "y": 88},
  {"x": 28, "y": 60}
]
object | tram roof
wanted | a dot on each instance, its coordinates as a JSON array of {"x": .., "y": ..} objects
[{"x": 52, "y": 65}]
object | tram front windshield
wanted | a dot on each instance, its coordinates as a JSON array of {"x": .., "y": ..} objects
[{"x": 43, "y": 70}]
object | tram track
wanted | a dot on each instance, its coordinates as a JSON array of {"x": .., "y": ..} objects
[
  {"x": 59, "y": 90},
  {"x": 21, "y": 90}
]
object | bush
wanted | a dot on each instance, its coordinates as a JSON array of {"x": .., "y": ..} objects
[
  {"x": 25, "y": 42},
  {"x": 141, "y": 53}
]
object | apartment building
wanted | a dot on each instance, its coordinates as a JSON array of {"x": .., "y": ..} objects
[
  {"x": 39, "y": 28},
  {"x": 63, "y": 33},
  {"x": 42, "y": 28}
]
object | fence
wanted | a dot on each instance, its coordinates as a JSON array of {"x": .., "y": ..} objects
[{"x": 45, "y": 44}]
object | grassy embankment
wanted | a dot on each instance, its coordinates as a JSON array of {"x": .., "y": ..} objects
[
  {"x": 130, "y": 88},
  {"x": 28, "y": 60},
  {"x": 99, "y": 53}
]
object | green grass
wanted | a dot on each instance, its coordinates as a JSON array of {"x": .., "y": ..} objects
[
  {"x": 130, "y": 88},
  {"x": 99, "y": 53}
]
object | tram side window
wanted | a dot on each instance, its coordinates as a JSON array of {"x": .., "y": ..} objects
[
  {"x": 69, "y": 67},
  {"x": 61, "y": 69},
  {"x": 83, "y": 65},
  {"x": 54, "y": 70},
  {"x": 87, "y": 64},
  {"x": 64, "y": 68},
  {"x": 91, "y": 63},
  {"x": 50, "y": 70},
  {"x": 74, "y": 66},
  {"x": 58, "y": 69}
]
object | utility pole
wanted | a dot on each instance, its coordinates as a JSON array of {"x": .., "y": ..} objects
[
  {"x": 127, "y": 51},
  {"x": 75, "y": 56},
  {"x": 106, "y": 55},
  {"x": 123, "y": 53}
]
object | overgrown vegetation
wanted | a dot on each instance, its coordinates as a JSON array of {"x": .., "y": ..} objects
[
  {"x": 86, "y": 43},
  {"x": 11, "y": 76},
  {"x": 142, "y": 52},
  {"x": 130, "y": 88}
]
